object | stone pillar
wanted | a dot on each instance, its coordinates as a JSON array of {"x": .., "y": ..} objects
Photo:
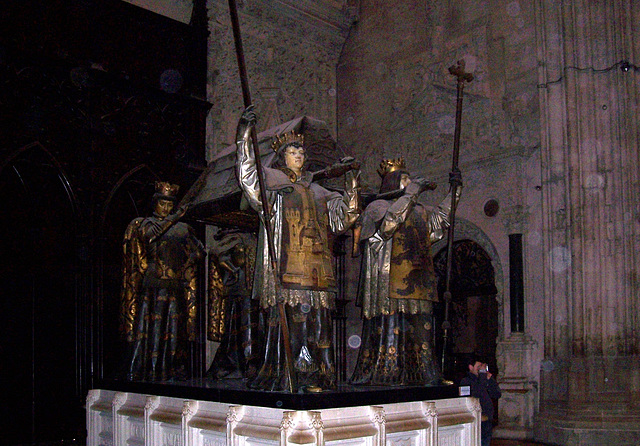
[
  {"x": 517, "y": 351},
  {"x": 589, "y": 144},
  {"x": 516, "y": 357}
]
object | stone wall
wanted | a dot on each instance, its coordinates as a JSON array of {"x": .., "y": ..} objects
[
  {"x": 549, "y": 130},
  {"x": 291, "y": 50},
  {"x": 397, "y": 98},
  {"x": 589, "y": 161}
]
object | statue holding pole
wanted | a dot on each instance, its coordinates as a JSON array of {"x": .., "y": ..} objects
[
  {"x": 301, "y": 295},
  {"x": 294, "y": 279},
  {"x": 398, "y": 285},
  {"x": 159, "y": 293}
]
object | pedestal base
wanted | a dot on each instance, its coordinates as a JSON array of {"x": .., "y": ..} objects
[{"x": 121, "y": 417}]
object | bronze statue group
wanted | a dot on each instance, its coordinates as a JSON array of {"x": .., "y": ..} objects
[
  {"x": 271, "y": 297},
  {"x": 271, "y": 301},
  {"x": 272, "y": 311}
]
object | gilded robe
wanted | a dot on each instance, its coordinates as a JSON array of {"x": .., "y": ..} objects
[{"x": 159, "y": 307}]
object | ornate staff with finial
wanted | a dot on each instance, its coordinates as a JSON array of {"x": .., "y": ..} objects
[
  {"x": 462, "y": 77},
  {"x": 246, "y": 96}
]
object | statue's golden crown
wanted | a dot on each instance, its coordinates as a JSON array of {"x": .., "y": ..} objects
[
  {"x": 390, "y": 165},
  {"x": 166, "y": 189},
  {"x": 287, "y": 138}
]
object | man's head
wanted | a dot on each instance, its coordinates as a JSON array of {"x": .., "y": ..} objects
[
  {"x": 394, "y": 175},
  {"x": 398, "y": 179},
  {"x": 290, "y": 152},
  {"x": 475, "y": 364},
  {"x": 163, "y": 207}
]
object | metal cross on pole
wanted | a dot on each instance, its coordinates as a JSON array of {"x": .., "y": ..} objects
[{"x": 462, "y": 77}]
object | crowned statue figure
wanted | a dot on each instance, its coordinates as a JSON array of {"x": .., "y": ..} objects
[
  {"x": 398, "y": 285},
  {"x": 303, "y": 218},
  {"x": 158, "y": 302}
]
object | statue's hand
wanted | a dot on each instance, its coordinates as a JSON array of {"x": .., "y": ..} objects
[
  {"x": 347, "y": 160},
  {"x": 249, "y": 116},
  {"x": 352, "y": 179},
  {"x": 418, "y": 185},
  {"x": 350, "y": 161},
  {"x": 181, "y": 211},
  {"x": 455, "y": 178}
]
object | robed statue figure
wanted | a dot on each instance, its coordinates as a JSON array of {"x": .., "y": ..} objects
[
  {"x": 398, "y": 285},
  {"x": 304, "y": 216},
  {"x": 158, "y": 302},
  {"x": 234, "y": 317}
]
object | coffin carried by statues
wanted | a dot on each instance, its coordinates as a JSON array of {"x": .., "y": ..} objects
[{"x": 216, "y": 199}]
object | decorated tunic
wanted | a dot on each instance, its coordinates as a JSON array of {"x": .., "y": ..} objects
[
  {"x": 304, "y": 215},
  {"x": 158, "y": 315},
  {"x": 397, "y": 291},
  {"x": 399, "y": 275}
]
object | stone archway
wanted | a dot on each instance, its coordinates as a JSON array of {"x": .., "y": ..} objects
[
  {"x": 473, "y": 311},
  {"x": 476, "y": 287}
]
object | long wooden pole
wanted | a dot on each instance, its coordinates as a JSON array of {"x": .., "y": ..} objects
[
  {"x": 266, "y": 212},
  {"x": 462, "y": 77}
]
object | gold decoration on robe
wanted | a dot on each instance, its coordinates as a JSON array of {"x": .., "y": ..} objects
[
  {"x": 134, "y": 267},
  {"x": 306, "y": 258},
  {"x": 216, "y": 301},
  {"x": 411, "y": 268}
]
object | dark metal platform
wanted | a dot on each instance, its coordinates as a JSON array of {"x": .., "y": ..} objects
[{"x": 235, "y": 392}]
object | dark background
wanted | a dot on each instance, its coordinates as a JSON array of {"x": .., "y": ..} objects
[{"x": 98, "y": 100}]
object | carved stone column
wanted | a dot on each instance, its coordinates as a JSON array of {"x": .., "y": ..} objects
[
  {"x": 516, "y": 357},
  {"x": 590, "y": 218},
  {"x": 517, "y": 351}
]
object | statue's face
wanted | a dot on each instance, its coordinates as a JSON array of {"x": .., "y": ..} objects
[
  {"x": 405, "y": 180},
  {"x": 294, "y": 158},
  {"x": 163, "y": 207},
  {"x": 237, "y": 256}
]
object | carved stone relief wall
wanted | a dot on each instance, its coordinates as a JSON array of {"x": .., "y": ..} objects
[{"x": 291, "y": 50}]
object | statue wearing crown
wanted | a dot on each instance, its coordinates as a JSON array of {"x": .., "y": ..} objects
[
  {"x": 158, "y": 302},
  {"x": 304, "y": 217},
  {"x": 399, "y": 285}
]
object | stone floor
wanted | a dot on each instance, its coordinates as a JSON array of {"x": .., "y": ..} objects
[{"x": 500, "y": 442}]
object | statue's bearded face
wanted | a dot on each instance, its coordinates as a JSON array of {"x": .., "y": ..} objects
[
  {"x": 294, "y": 157},
  {"x": 163, "y": 207}
]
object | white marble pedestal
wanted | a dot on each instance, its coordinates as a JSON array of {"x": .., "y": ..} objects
[{"x": 124, "y": 418}]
